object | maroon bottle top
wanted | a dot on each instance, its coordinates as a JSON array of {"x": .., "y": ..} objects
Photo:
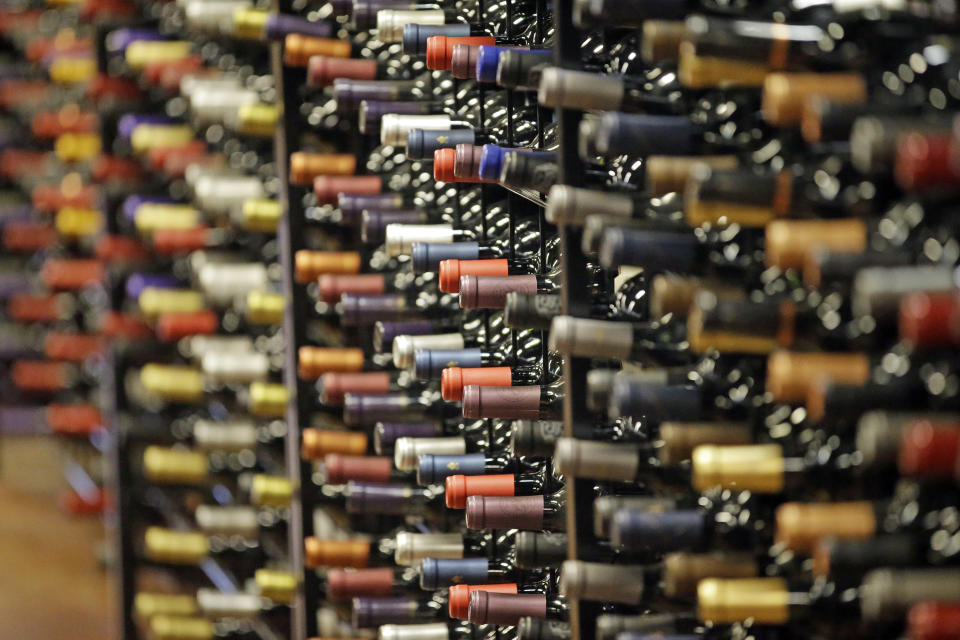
[
  {"x": 519, "y": 403},
  {"x": 490, "y": 292},
  {"x": 505, "y": 512},
  {"x": 505, "y": 609}
]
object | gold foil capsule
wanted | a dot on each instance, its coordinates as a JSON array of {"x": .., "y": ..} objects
[
  {"x": 71, "y": 70},
  {"x": 789, "y": 244},
  {"x": 758, "y": 468},
  {"x": 258, "y": 119},
  {"x": 150, "y": 136},
  {"x": 173, "y": 382},
  {"x": 310, "y": 265},
  {"x": 336, "y": 553},
  {"x": 147, "y": 605},
  {"x": 140, "y": 53},
  {"x": 264, "y": 308},
  {"x": 181, "y": 628},
  {"x": 800, "y": 525},
  {"x": 791, "y": 374},
  {"x": 156, "y": 300},
  {"x": 268, "y": 400},
  {"x": 75, "y": 222},
  {"x": 271, "y": 491},
  {"x": 785, "y": 94},
  {"x": 317, "y": 443},
  {"x": 250, "y": 23},
  {"x": 261, "y": 214},
  {"x": 704, "y": 72},
  {"x": 156, "y": 216},
  {"x": 175, "y": 547},
  {"x": 181, "y": 466},
  {"x": 77, "y": 147},
  {"x": 764, "y": 600},
  {"x": 278, "y": 586}
]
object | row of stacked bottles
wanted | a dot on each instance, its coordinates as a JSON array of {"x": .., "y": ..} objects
[
  {"x": 664, "y": 348},
  {"x": 494, "y": 319},
  {"x": 144, "y": 316}
]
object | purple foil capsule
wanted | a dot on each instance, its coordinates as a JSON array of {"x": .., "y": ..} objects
[
  {"x": 137, "y": 282},
  {"x": 385, "y": 434},
  {"x": 364, "y": 409},
  {"x": 385, "y": 332},
  {"x": 490, "y": 292},
  {"x": 358, "y": 310},
  {"x": 127, "y": 123},
  {"x": 373, "y": 224},
  {"x": 373, "y": 612},
  {"x": 13, "y": 282},
  {"x": 350, "y": 93},
  {"x": 23, "y": 420},
  {"x": 280, "y": 25},
  {"x": 352, "y": 205},
  {"x": 132, "y": 203},
  {"x": 118, "y": 40},
  {"x": 17, "y": 211},
  {"x": 372, "y": 112},
  {"x": 366, "y": 497}
]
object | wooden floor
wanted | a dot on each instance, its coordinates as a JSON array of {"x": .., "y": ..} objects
[{"x": 51, "y": 584}]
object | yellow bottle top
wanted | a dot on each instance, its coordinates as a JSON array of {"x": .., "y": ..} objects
[
  {"x": 268, "y": 400},
  {"x": 154, "y": 301},
  {"x": 257, "y": 119},
  {"x": 765, "y": 600},
  {"x": 250, "y": 23},
  {"x": 175, "y": 547},
  {"x": 72, "y": 70},
  {"x": 177, "y": 466},
  {"x": 265, "y": 308},
  {"x": 181, "y": 628},
  {"x": 276, "y": 585},
  {"x": 271, "y": 491},
  {"x": 261, "y": 214},
  {"x": 147, "y": 605},
  {"x": 173, "y": 382},
  {"x": 150, "y": 136},
  {"x": 140, "y": 53},
  {"x": 755, "y": 467},
  {"x": 77, "y": 147},
  {"x": 156, "y": 216},
  {"x": 77, "y": 223}
]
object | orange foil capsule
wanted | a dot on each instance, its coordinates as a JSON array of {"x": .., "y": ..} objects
[{"x": 459, "y": 488}]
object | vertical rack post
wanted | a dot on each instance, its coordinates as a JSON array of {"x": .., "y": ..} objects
[
  {"x": 576, "y": 416},
  {"x": 290, "y": 237}
]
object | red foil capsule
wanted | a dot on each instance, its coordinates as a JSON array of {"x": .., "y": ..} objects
[
  {"x": 74, "y": 419},
  {"x": 934, "y": 621},
  {"x": 157, "y": 157},
  {"x": 47, "y": 125},
  {"x": 28, "y": 307},
  {"x": 72, "y": 347},
  {"x": 72, "y": 274},
  {"x": 335, "y": 385},
  {"x": 930, "y": 320},
  {"x": 51, "y": 197},
  {"x": 343, "y": 584},
  {"x": 115, "y": 324},
  {"x": 114, "y": 169},
  {"x": 926, "y": 162},
  {"x": 27, "y": 237},
  {"x": 76, "y": 505},
  {"x": 170, "y": 241},
  {"x": 104, "y": 89},
  {"x": 460, "y": 596},
  {"x": 930, "y": 450},
  {"x": 115, "y": 248},
  {"x": 173, "y": 326},
  {"x": 40, "y": 376}
]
